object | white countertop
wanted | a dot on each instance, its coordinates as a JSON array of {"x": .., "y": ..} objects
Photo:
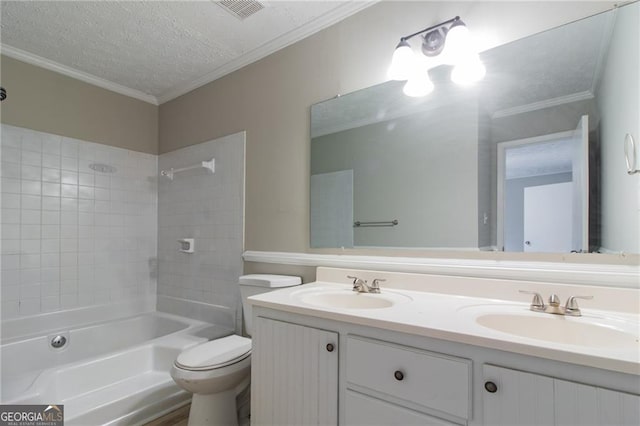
[{"x": 452, "y": 317}]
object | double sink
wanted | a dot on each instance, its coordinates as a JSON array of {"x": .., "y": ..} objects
[{"x": 592, "y": 330}]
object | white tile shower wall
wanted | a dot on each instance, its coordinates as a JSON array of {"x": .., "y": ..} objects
[
  {"x": 210, "y": 209},
  {"x": 71, "y": 236}
]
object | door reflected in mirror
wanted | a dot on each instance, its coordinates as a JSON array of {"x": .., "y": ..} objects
[
  {"x": 530, "y": 159},
  {"x": 541, "y": 186}
]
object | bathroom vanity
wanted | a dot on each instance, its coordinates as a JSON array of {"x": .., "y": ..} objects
[{"x": 443, "y": 351}]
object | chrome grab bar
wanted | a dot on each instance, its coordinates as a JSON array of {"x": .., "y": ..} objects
[{"x": 359, "y": 224}]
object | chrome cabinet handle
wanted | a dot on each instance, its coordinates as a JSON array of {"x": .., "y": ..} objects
[
  {"x": 330, "y": 347},
  {"x": 399, "y": 375}
]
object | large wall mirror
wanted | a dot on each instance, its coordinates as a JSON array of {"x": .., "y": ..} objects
[{"x": 530, "y": 159}]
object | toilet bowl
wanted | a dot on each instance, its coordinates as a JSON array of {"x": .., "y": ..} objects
[{"x": 216, "y": 372}]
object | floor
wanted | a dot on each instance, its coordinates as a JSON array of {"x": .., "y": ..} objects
[{"x": 177, "y": 417}]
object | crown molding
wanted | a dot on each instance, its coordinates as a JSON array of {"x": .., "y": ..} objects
[
  {"x": 565, "y": 273},
  {"x": 324, "y": 21},
  {"x": 50, "y": 65},
  {"x": 560, "y": 100},
  {"x": 320, "y": 23}
]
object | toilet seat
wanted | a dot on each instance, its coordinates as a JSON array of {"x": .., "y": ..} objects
[{"x": 215, "y": 354}]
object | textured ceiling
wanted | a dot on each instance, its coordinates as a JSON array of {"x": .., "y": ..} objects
[
  {"x": 553, "y": 64},
  {"x": 539, "y": 159},
  {"x": 158, "y": 48}
]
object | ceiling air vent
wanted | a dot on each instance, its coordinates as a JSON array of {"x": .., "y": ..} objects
[{"x": 241, "y": 8}]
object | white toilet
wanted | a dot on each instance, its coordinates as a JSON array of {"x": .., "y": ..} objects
[{"x": 218, "y": 370}]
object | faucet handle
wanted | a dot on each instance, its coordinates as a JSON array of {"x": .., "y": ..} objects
[
  {"x": 537, "y": 303},
  {"x": 358, "y": 283},
  {"x": 356, "y": 280},
  {"x": 572, "y": 306},
  {"x": 375, "y": 285}
]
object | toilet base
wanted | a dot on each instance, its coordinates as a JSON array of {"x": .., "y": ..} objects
[{"x": 218, "y": 409}]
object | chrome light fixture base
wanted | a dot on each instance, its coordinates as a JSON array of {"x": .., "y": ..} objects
[
  {"x": 433, "y": 42},
  {"x": 450, "y": 43}
]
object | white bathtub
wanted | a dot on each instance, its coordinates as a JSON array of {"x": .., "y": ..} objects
[{"x": 113, "y": 372}]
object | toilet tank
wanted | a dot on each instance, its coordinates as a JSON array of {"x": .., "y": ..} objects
[{"x": 253, "y": 284}]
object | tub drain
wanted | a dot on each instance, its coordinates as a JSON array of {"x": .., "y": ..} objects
[{"x": 58, "y": 341}]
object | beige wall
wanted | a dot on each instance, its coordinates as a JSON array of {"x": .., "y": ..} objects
[
  {"x": 270, "y": 99},
  {"x": 46, "y": 101}
]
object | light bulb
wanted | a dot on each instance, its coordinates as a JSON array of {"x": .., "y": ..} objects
[
  {"x": 468, "y": 72},
  {"x": 402, "y": 62},
  {"x": 418, "y": 85},
  {"x": 458, "y": 45}
]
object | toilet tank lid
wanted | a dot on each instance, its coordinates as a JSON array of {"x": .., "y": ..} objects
[{"x": 268, "y": 280}]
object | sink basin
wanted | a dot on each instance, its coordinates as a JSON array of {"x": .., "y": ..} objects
[
  {"x": 347, "y": 299},
  {"x": 580, "y": 331}
]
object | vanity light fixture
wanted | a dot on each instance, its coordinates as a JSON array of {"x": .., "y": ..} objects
[{"x": 450, "y": 43}]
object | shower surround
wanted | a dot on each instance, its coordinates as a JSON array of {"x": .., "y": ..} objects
[
  {"x": 208, "y": 207},
  {"x": 87, "y": 224},
  {"x": 82, "y": 227},
  {"x": 73, "y": 236}
]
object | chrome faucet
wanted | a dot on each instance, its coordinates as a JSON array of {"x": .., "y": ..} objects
[
  {"x": 361, "y": 285},
  {"x": 570, "y": 308},
  {"x": 375, "y": 285}
]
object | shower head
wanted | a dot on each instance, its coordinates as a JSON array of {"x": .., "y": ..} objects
[{"x": 102, "y": 168}]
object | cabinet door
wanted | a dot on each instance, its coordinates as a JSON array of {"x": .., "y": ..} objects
[
  {"x": 577, "y": 404},
  {"x": 363, "y": 410},
  {"x": 294, "y": 374},
  {"x": 519, "y": 398},
  {"x": 529, "y": 399}
]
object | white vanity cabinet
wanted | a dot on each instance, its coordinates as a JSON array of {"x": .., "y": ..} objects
[
  {"x": 294, "y": 374},
  {"x": 514, "y": 398},
  {"x": 421, "y": 385},
  {"x": 310, "y": 370}
]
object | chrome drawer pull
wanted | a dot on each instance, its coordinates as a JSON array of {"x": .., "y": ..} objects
[{"x": 399, "y": 375}]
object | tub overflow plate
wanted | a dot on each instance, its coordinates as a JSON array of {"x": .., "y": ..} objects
[{"x": 58, "y": 341}]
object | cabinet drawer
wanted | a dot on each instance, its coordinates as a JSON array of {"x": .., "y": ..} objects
[
  {"x": 432, "y": 380},
  {"x": 364, "y": 410}
]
